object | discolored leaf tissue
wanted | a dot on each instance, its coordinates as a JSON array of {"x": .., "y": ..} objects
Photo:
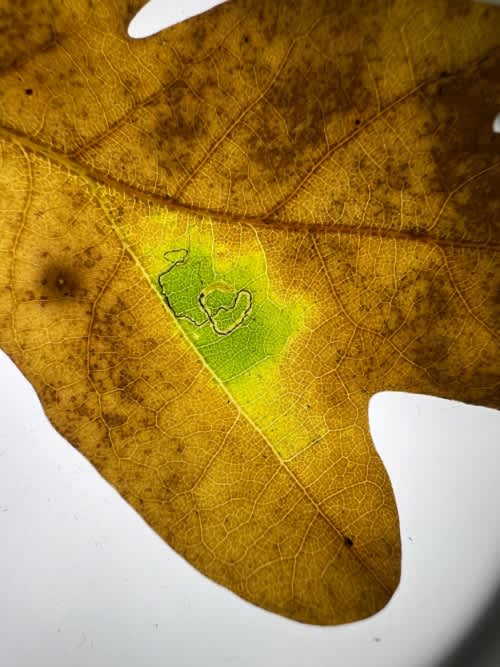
[{"x": 217, "y": 243}]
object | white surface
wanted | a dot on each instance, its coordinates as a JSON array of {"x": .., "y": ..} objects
[
  {"x": 159, "y": 14},
  {"x": 84, "y": 582}
]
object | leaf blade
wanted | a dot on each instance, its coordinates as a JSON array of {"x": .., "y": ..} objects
[{"x": 255, "y": 463}]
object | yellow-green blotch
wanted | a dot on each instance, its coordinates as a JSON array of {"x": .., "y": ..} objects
[{"x": 217, "y": 288}]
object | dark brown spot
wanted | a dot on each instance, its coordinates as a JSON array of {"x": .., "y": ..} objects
[
  {"x": 60, "y": 282},
  {"x": 28, "y": 91},
  {"x": 348, "y": 541}
]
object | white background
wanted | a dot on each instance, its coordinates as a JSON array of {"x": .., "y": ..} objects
[{"x": 83, "y": 580}]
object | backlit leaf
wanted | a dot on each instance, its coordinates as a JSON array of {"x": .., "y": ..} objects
[{"x": 219, "y": 242}]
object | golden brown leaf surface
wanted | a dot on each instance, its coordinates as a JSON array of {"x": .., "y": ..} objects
[{"x": 348, "y": 150}]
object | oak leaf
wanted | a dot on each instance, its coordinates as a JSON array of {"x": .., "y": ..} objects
[{"x": 219, "y": 242}]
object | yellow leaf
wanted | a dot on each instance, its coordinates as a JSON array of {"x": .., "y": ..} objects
[{"x": 219, "y": 242}]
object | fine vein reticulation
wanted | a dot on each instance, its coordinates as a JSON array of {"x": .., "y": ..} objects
[{"x": 218, "y": 243}]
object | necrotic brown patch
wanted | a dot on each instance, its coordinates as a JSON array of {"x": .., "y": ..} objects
[{"x": 60, "y": 282}]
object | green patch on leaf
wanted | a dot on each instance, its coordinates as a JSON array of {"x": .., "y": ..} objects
[{"x": 229, "y": 316}]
